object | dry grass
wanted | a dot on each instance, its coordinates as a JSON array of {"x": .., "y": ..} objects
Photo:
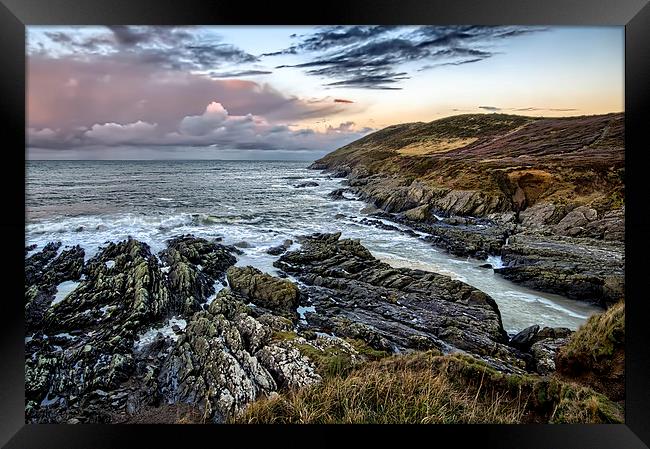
[
  {"x": 599, "y": 337},
  {"x": 435, "y": 146},
  {"x": 595, "y": 354},
  {"x": 427, "y": 388}
]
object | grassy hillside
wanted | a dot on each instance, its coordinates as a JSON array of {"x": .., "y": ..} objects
[{"x": 577, "y": 160}]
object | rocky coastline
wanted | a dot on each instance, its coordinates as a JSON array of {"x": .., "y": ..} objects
[
  {"x": 186, "y": 335},
  {"x": 556, "y": 217}
]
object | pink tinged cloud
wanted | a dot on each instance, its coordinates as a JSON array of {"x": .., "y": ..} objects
[
  {"x": 122, "y": 89},
  {"x": 214, "y": 128},
  {"x": 116, "y": 134}
]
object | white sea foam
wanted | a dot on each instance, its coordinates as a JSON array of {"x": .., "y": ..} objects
[{"x": 166, "y": 330}]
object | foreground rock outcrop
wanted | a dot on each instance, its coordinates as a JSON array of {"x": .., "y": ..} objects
[
  {"x": 352, "y": 294},
  {"x": 85, "y": 361},
  {"x": 227, "y": 358}
]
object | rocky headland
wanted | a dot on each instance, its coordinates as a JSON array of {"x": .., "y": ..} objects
[{"x": 545, "y": 194}]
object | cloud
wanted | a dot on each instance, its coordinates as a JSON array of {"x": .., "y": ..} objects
[
  {"x": 198, "y": 125},
  {"x": 169, "y": 47},
  {"x": 123, "y": 89},
  {"x": 442, "y": 64},
  {"x": 334, "y": 36},
  {"x": 240, "y": 73},
  {"x": 214, "y": 128},
  {"x": 489, "y": 108},
  {"x": 342, "y": 100},
  {"x": 116, "y": 134},
  {"x": 368, "y": 57}
]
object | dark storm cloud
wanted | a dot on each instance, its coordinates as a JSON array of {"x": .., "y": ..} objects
[
  {"x": 167, "y": 46},
  {"x": 442, "y": 64},
  {"x": 367, "y": 57},
  {"x": 239, "y": 73},
  {"x": 330, "y": 37}
]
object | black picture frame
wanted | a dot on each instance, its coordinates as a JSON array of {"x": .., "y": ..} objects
[{"x": 16, "y": 14}]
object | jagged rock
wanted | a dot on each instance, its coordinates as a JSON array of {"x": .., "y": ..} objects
[
  {"x": 544, "y": 352},
  {"x": 575, "y": 222},
  {"x": 290, "y": 368},
  {"x": 86, "y": 361},
  {"x": 524, "y": 339},
  {"x": 339, "y": 174},
  {"x": 357, "y": 296},
  {"x": 277, "y": 250},
  {"x": 369, "y": 210},
  {"x": 338, "y": 194},
  {"x": 44, "y": 271},
  {"x": 552, "y": 333},
  {"x": 540, "y": 215},
  {"x": 264, "y": 290},
  {"x": 610, "y": 227},
  {"x": 306, "y": 184},
  {"x": 227, "y": 359},
  {"x": 585, "y": 269},
  {"x": 195, "y": 264}
]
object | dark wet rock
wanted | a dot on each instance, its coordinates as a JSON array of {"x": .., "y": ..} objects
[
  {"x": 462, "y": 240},
  {"x": 338, "y": 194},
  {"x": 339, "y": 174},
  {"x": 29, "y": 248},
  {"x": 358, "y": 296},
  {"x": 44, "y": 271},
  {"x": 36, "y": 263},
  {"x": 195, "y": 264},
  {"x": 370, "y": 210},
  {"x": 552, "y": 333},
  {"x": 486, "y": 265},
  {"x": 66, "y": 266},
  {"x": 277, "y": 250},
  {"x": 543, "y": 346},
  {"x": 524, "y": 339},
  {"x": 242, "y": 244},
  {"x": 227, "y": 359},
  {"x": 98, "y": 323},
  {"x": 264, "y": 290},
  {"x": 87, "y": 360},
  {"x": 585, "y": 269},
  {"x": 306, "y": 184}
]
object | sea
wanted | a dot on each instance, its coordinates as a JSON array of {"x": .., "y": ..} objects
[{"x": 254, "y": 205}]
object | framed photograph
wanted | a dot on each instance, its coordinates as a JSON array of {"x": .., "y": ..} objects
[{"x": 388, "y": 213}]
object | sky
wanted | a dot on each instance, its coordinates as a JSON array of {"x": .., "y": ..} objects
[{"x": 296, "y": 93}]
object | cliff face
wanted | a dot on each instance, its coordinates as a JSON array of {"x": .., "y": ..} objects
[{"x": 478, "y": 164}]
